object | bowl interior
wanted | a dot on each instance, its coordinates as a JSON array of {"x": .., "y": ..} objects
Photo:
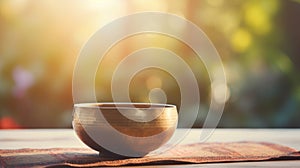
[{"x": 123, "y": 105}]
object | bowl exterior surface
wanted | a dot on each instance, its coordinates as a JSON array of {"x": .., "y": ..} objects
[{"x": 124, "y": 131}]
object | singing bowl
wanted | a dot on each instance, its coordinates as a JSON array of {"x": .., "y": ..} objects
[{"x": 124, "y": 129}]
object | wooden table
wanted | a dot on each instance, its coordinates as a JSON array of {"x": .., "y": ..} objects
[{"x": 56, "y": 138}]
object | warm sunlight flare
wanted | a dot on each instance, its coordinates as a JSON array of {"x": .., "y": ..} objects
[{"x": 258, "y": 42}]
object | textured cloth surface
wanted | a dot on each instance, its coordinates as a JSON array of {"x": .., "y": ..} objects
[{"x": 191, "y": 153}]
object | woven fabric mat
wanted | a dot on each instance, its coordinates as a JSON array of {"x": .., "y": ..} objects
[{"x": 192, "y": 153}]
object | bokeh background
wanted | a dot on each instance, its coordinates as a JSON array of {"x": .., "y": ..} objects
[{"x": 258, "y": 41}]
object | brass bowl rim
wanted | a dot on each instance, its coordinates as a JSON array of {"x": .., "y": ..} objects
[{"x": 123, "y": 105}]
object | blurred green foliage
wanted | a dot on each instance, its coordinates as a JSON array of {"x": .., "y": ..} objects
[{"x": 257, "y": 40}]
